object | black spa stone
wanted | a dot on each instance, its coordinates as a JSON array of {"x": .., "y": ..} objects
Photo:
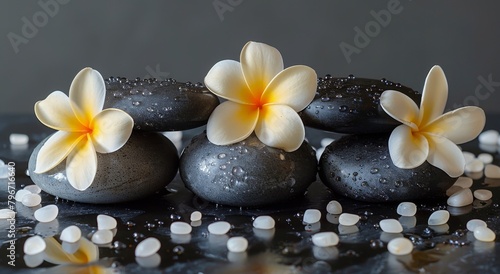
[
  {"x": 247, "y": 173},
  {"x": 351, "y": 105},
  {"x": 359, "y": 167},
  {"x": 157, "y": 105}
]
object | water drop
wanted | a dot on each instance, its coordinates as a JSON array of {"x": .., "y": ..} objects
[
  {"x": 343, "y": 108},
  {"x": 374, "y": 170},
  {"x": 136, "y": 103},
  {"x": 150, "y": 109},
  {"x": 221, "y": 156},
  {"x": 146, "y": 92}
]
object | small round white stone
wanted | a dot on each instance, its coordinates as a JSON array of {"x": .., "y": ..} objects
[
  {"x": 219, "y": 228},
  {"x": 31, "y": 199},
  {"x": 391, "y": 226},
  {"x": 237, "y": 244},
  {"x": 407, "y": 209},
  {"x": 147, "y": 247},
  {"x": 6, "y": 213},
  {"x": 439, "y": 217},
  {"x": 18, "y": 139},
  {"x": 483, "y": 194},
  {"x": 348, "y": 219},
  {"x": 195, "y": 216},
  {"x": 484, "y": 234},
  {"x": 71, "y": 234},
  {"x": 464, "y": 182},
  {"x": 461, "y": 198},
  {"x": 326, "y": 141},
  {"x": 474, "y": 223},
  {"x": 486, "y": 158},
  {"x": 325, "y": 239},
  {"x": 488, "y": 137},
  {"x": 400, "y": 246},
  {"x": 34, "y": 245},
  {"x": 47, "y": 213},
  {"x": 312, "y": 216},
  {"x": 20, "y": 194},
  {"x": 180, "y": 228},
  {"x": 104, "y": 236},
  {"x": 468, "y": 156},
  {"x": 452, "y": 190},
  {"x": 474, "y": 166},
  {"x": 264, "y": 222},
  {"x": 33, "y": 189},
  {"x": 334, "y": 207},
  {"x": 492, "y": 171},
  {"x": 105, "y": 222}
]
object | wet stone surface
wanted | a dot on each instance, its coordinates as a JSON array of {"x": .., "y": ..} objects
[
  {"x": 247, "y": 173},
  {"x": 359, "y": 167},
  {"x": 159, "y": 105},
  {"x": 351, "y": 105}
]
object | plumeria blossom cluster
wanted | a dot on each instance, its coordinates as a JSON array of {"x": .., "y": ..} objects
[
  {"x": 426, "y": 134},
  {"x": 262, "y": 97},
  {"x": 83, "y": 128}
]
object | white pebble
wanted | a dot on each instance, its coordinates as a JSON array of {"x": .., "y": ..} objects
[
  {"x": 34, "y": 245},
  {"x": 489, "y": 137},
  {"x": 334, "y": 207},
  {"x": 348, "y": 219},
  {"x": 400, "y": 246},
  {"x": 391, "y": 226},
  {"x": 147, "y": 247},
  {"x": 468, "y": 156},
  {"x": 326, "y": 141},
  {"x": 20, "y": 194},
  {"x": 464, "y": 182},
  {"x": 102, "y": 236},
  {"x": 18, "y": 139},
  {"x": 484, "y": 234},
  {"x": 312, "y": 216},
  {"x": 237, "y": 244},
  {"x": 474, "y": 223},
  {"x": 483, "y": 194},
  {"x": 485, "y": 158},
  {"x": 31, "y": 199},
  {"x": 264, "y": 222},
  {"x": 461, "y": 198},
  {"x": 195, "y": 216},
  {"x": 71, "y": 234},
  {"x": 180, "y": 228},
  {"x": 452, "y": 190},
  {"x": 47, "y": 213},
  {"x": 439, "y": 217},
  {"x": 4, "y": 172},
  {"x": 33, "y": 189},
  {"x": 325, "y": 239},
  {"x": 407, "y": 209},
  {"x": 105, "y": 222},
  {"x": 474, "y": 166},
  {"x": 219, "y": 228},
  {"x": 6, "y": 213},
  {"x": 492, "y": 171}
]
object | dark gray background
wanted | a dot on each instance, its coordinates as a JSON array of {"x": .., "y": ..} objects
[{"x": 183, "y": 39}]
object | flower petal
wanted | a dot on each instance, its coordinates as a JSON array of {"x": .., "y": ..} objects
[
  {"x": 111, "y": 129},
  {"x": 434, "y": 96},
  {"x": 260, "y": 64},
  {"x": 459, "y": 126},
  {"x": 231, "y": 122},
  {"x": 225, "y": 79},
  {"x": 55, "y": 112},
  {"x": 447, "y": 156},
  {"x": 400, "y": 107},
  {"x": 280, "y": 126},
  {"x": 87, "y": 93},
  {"x": 56, "y": 149},
  {"x": 407, "y": 149},
  {"x": 294, "y": 86},
  {"x": 55, "y": 254},
  {"x": 81, "y": 165}
]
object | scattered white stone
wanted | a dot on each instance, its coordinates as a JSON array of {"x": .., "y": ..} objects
[
  {"x": 489, "y": 137},
  {"x": 484, "y": 234},
  {"x": 2, "y": 163},
  {"x": 47, "y": 213},
  {"x": 180, "y": 228},
  {"x": 71, "y": 248},
  {"x": 326, "y": 141},
  {"x": 31, "y": 199},
  {"x": 475, "y": 223},
  {"x": 391, "y": 226},
  {"x": 474, "y": 166},
  {"x": 311, "y": 216},
  {"x": 461, "y": 198},
  {"x": 20, "y": 194},
  {"x": 334, "y": 207},
  {"x": 348, "y": 219},
  {"x": 464, "y": 182},
  {"x": 147, "y": 247},
  {"x": 492, "y": 171},
  {"x": 32, "y": 261},
  {"x": 219, "y": 228},
  {"x": 33, "y": 189},
  {"x": 18, "y": 139},
  {"x": 195, "y": 216},
  {"x": 407, "y": 209},
  {"x": 347, "y": 229},
  {"x": 400, "y": 246},
  {"x": 468, "y": 156},
  {"x": 325, "y": 239},
  {"x": 483, "y": 194},
  {"x": 264, "y": 222},
  {"x": 4, "y": 172},
  {"x": 453, "y": 189},
  {"x": 408, "y": 221},
  {"x": 439, "y": 217},
  {"x": 104, "y": 236},
  {"x": 71, "y": 234},
  {"x": 150, "y": 261},
  {"x": 105, "y": 222},
  {"x": 34, "y": 245},
  {"x": 486, "y": 158},
  {"x": 237, "y": 244},
  {"x": 6, "y": 213}
]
